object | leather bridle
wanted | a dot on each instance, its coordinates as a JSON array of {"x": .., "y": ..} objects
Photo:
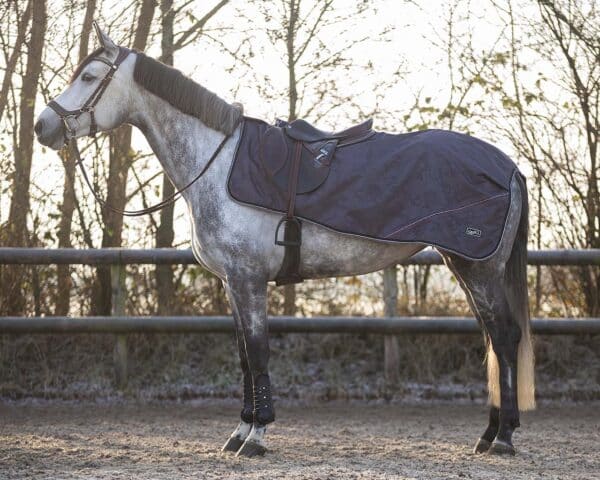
[
  {"x": 90, "y": 104},
  {"x": 88, "y": 107}
]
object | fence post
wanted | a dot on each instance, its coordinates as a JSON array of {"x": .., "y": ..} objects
[
  {"x": 119, "y": 299},
  {"x": 391, "y": 353}
]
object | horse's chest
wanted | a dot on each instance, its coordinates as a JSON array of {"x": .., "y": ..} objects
[
  {"x": 207, "y": 255},
  {"x": 207, "y": 240}
]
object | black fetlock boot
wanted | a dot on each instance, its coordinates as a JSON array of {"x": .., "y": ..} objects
[
  {"x": 263, "y": 403},
  {"x": 263, "y": 414},
  {"x": 237, "y": 438},
  {"x": 485, "y": 442}
]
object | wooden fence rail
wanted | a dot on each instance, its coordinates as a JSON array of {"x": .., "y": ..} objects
[
  {"x": 162, "y": 256},
  {"x": 280, "y": 324},
  {"x": 389, "y": 326}
]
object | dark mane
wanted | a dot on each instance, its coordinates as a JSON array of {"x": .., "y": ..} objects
[
  {"x": 186, "y": 95},
  {"x": 84, "y": 62}
]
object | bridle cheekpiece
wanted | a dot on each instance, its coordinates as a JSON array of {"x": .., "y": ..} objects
[{"x": 70, "y": 118}]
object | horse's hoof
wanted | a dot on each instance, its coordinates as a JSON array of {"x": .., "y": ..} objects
[
  {"x": 232, "y": 445},
  {"x": 499, "y": 447},
  {"x": 251, "y": 449},
  {"x": 482, "y": 446}
]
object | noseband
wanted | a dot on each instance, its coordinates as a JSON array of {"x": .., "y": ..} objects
[{"x": 88, "y": 107}]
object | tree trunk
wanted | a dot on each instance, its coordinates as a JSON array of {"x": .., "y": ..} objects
[
  {"x": 164, "y": 233},
  {"x": 11, "y": 64},
  {"x": 19, "y": 207},
  {"x": 426, "y": 270},
  {"x": 63, "y": 281},
  {"x": 16, "y": 234},
  {"x": 119, "y": 162}
]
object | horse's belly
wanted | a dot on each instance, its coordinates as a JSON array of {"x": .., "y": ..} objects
[{"x": 326, "y": 253}]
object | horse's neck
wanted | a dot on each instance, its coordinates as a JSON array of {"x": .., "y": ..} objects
[{"x": 182, "y": 144}]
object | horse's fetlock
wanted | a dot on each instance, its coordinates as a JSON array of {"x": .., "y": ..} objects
[
  {"x": 510, "y": 419},
  {"x": 247, "y": 414},
  {"x": 264, "y": 412},
  {"x": 264, "y": 416}
]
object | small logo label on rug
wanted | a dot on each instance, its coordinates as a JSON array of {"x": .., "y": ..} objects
[{"x": 473, "y": 232}]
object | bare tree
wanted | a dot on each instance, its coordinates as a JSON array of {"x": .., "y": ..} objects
[
  {"x": 165, "y": 285},
  {"x": 574, "y": 28},
  {"x": 553, "y": 121},
  {"x": 164, "y": 233},
  {"x": 22, "y": 22},
  {"x": 16, "y": 232},
  {"x": 67, "y": 207},
  {"x": 120, "y": 160},
  {"x": 298, "y": 30}
]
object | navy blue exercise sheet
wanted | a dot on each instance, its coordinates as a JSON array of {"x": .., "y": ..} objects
[{"x": 435, "y": 187}]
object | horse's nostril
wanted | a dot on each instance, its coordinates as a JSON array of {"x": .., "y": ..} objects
[{"x": 39, "y": 126}]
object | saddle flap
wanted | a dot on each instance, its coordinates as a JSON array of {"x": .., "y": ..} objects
[
  {"x": 276, "y": 150},
  {"x": 314, "y": 165}
]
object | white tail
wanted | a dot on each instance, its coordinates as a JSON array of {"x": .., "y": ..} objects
[
  {"x": 525, "y": 375},
  {"x": 518, "y": 299}
]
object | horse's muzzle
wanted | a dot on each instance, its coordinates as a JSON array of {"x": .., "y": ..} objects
[{"x": 49, "y": 130}]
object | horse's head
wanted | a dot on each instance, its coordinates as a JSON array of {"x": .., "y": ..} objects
[{"x": 96, "y": 99}]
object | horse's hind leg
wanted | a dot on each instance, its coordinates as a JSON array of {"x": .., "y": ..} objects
[
  {"x": 485, "y": 441},
  {"x": 242, "y": 431},
  {"x": 485, "y": 285},
  {"x": 497, "y": 292}
]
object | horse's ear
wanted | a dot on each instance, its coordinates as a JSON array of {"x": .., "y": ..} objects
[{"x": 104, "y": 39}]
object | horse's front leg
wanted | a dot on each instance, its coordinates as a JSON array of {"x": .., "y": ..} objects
[
  {"x": 242, "y": 431},
  {"x": 248, "y": 298}
]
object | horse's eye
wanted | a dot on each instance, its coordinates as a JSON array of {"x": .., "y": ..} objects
[{"x": 86, "y": 77}]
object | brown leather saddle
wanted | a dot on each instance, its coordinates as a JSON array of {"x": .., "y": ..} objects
[
  {"x": 316, "y": 149},
  {"x": 297, "y": 158}
]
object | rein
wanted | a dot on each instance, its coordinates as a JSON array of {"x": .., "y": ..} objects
[
  {"x": 154, "y": 208},
  {"x": 88, "y": 107}
]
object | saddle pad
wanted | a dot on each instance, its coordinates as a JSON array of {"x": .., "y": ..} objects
[{"x": 434, "y": 187}]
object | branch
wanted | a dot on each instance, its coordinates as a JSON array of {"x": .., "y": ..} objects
[
  {"x": 12, "y": 61},
  {"x": 196, "y": 29}
]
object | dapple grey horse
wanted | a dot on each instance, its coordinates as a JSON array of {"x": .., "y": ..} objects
[{"x": 185, "y": 125}]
